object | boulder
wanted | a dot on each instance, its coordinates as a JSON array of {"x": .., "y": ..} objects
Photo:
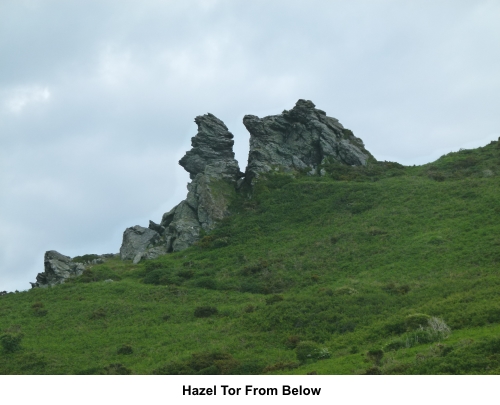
[
  {"x": 137, "y": 240},
  {"x": 57, "y": 268},
  {"x": 300, "y": 139},
  {"x": 153, "y": 253}
]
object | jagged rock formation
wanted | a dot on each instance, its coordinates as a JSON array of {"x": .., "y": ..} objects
[
  {"x": 57, "y": 269},
  {"x": 299, "y": 139},
  {"x": 214, "y": 173},
  {"x": 212, "y": 153}
]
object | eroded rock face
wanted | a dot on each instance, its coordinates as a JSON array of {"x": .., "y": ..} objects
[
  {"x": 136, "y": 240},
  {"x": 212, "y": 153},
  {"x": 214, "y": 172},
  {"x": 57, "y": 268},
  {"x": 300, "y": 139}
]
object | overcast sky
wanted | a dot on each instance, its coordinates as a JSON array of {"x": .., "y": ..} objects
[{"x": 98, "y": 98}]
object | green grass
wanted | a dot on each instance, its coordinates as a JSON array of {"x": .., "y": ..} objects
[{"x": 344, "y": 263}]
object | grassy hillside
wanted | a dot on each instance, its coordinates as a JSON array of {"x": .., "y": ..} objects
[{"x": 385, "y": 269}]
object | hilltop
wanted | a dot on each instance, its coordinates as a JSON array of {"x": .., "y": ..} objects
[{"x": 333, "y": 267}]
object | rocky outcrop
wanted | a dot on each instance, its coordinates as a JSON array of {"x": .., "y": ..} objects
[
  {"x": 136, "y": 240},
  {"x": 214, "y": 172},
  {"x": 212, "y": 153},
  {"x": 57, "y": 269},
  {"x": 300, "y": 139}
]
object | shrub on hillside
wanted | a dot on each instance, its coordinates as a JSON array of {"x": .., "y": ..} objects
[
  {"x": 416, "y": 321},
  {"x": 206, "y": 282},
  {"x": 11, "y": 342},
  {"x": 162, "y": 276},
  {"x": 205, "y": 311},
  {"x": 374, "y": 370},
  {"x": 281, "y": 365},
  {"x": 420, "y": 329},
  {"x": 117, "y": 369},
  {"x": 255, "y": 268},
  {"x": 273, "y": 299},
  {"x": 467, "y": 357},
  {"x": 151, "y": 265},
  {"x": 292, "y": 341},
  {"x": 212, "y": 363},
  {"x": 85, "y": 258},
  {"x": 309, "y": 350},
  {"x": 186, "y": 273},
  {"x": 125, "y": 349},
  {"x": 205, "y": 363},
  {"x": 249, "y": 308},
  {"x": 38, "y": 309},
  {"x": 98, "y": 314},
  {"x": 375, "y": 356},
  {"x": 396, "y": 289}
]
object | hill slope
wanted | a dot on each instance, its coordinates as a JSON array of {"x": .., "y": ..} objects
[{"x": 376, "y": 269}]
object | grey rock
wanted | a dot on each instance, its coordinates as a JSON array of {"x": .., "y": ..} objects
[
  {"x": 57, "y": 268},
  {"x": 137, "y": 240},
  {"x": 155, "y": 227},
  {"x": 300, "y": 139},
  {"x": 155, "y": 252},
  {"x": 184, "y": 229},
  {"x": 214, "y": 173},
  {"x": 137, "y": 258},
  {"x": 209, "y": 197},
  {"x": 212, "y": 150},
  {"x": 168, "y": 217}
]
